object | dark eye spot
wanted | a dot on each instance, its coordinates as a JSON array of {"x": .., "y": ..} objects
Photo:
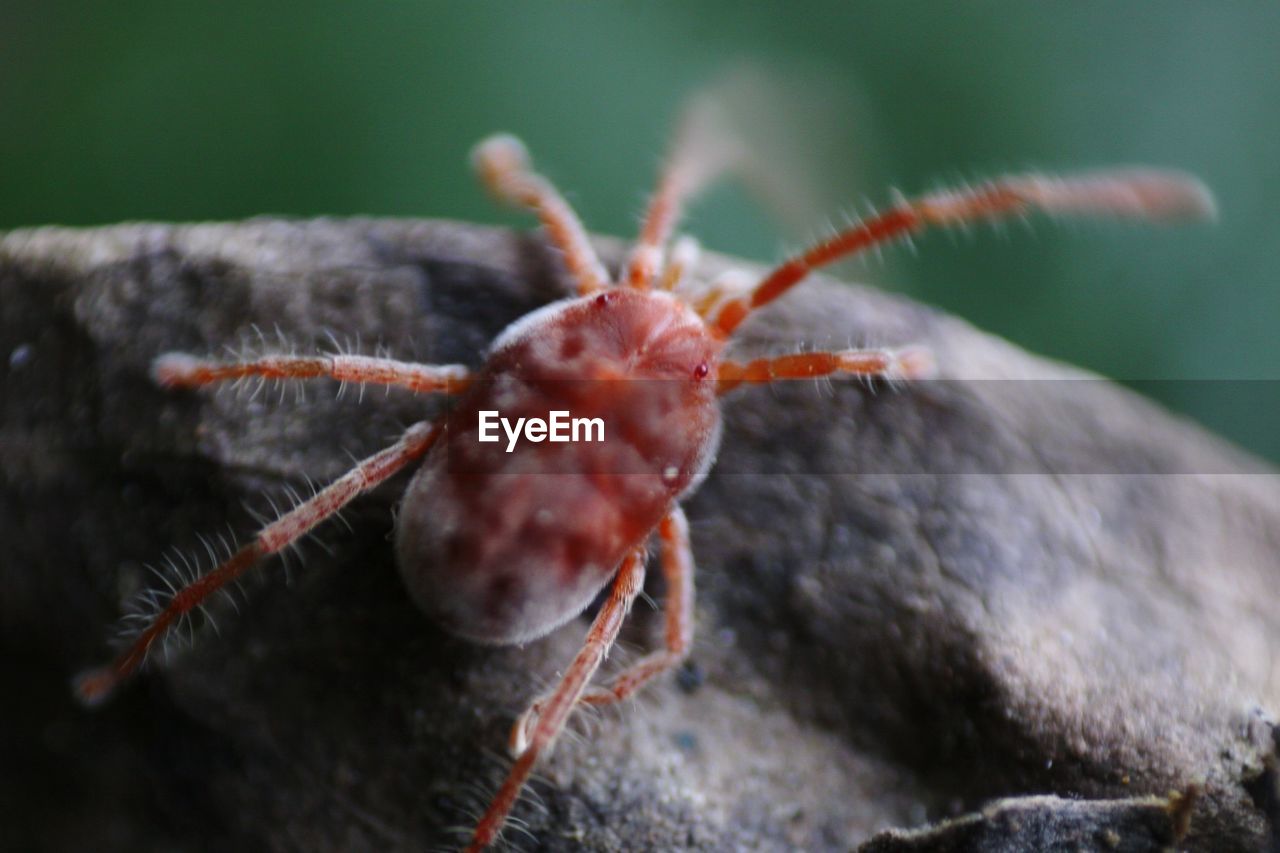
[
  {"x": 604, "y": 299},
  {"x": 701, "y": 371}
]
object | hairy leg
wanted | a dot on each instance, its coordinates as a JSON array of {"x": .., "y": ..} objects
[
  {"x": 700, "y": 152},
  {"x": 726, "y": 286},
  {"x": 909, "y": 363},
  {"x": 94, "y": 686},
  {"x": 677, "y": 569},
  {"x": 684, "y": 257},
  {"x": 178, "y": 370},
  {"x": 1135, "y": 193},
  {"x": 557, "y": 705},
  {"x": 503, "y": 165}
]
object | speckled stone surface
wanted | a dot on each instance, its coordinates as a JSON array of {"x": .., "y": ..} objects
[{"x": 913, "y": 601}]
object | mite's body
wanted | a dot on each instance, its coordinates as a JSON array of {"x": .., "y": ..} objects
[{"x": 503, "y": 547}]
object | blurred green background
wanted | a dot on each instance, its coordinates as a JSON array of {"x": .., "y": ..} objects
[{"x": 156, "y": 109}]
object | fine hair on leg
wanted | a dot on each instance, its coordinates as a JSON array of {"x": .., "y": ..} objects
[
  {"x": 504, "y": 167},
  {"x": 557, "y": 705},
  {"x": 95, "y": 685},
  {"x": 179, "y": 370},
  {"x": 1129, "y": 193}
]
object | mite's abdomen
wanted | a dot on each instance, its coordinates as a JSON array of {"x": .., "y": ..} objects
[{"x": 501, "y": 542}]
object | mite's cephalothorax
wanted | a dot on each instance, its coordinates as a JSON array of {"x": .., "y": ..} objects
[{"x": 497, "y": 550}]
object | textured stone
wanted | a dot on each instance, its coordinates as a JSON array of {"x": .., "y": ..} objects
[{"x": 913, "y": 601}]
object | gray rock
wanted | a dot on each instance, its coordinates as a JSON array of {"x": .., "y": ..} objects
[{"x": 913, "y": 601}]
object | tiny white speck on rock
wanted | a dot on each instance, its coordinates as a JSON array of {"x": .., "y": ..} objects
[{"x": 20, "y": 356}]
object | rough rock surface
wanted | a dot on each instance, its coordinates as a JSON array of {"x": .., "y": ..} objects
[{"x": 913, "y": 601}]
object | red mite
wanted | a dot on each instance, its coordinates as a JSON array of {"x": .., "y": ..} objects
[{"x": 497, "y": 550}]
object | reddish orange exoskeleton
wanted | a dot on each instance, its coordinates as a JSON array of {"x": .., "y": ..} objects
[{"x": 500, "y": 553}]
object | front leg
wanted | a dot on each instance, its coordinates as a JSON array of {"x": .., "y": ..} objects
[{"x": 909, "y": 363}]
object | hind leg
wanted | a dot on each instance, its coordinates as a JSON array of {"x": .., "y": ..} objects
[
  {"x": 95, "y": 685},
  {"x": 556, "y": 706}
]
